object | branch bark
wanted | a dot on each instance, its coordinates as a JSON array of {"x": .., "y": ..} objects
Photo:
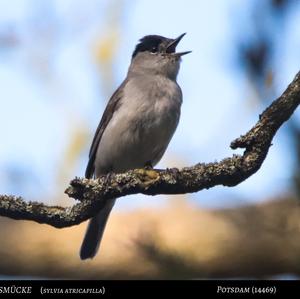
[{"x": 92, "y": 194}]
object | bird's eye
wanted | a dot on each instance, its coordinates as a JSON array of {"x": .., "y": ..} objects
[{"x": 153, "y": 50}]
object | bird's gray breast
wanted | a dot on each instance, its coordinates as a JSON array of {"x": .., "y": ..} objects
[{"x": 142, "y": 127}]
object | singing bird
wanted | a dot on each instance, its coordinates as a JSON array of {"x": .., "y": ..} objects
[{"x": 138, "y": 122}]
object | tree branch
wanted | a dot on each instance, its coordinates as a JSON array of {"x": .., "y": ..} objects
[{"x": 228, "y": 172}]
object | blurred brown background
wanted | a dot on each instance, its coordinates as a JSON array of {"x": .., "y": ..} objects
[{"x": 177, "y": 241}]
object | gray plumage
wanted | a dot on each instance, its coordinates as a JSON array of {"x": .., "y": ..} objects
[{"x": 138, "y": 122}]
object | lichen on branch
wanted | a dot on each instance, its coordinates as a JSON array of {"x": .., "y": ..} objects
[{"x": 92, "y": 194}]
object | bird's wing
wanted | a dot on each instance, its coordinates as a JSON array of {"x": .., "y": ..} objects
[{"x": 112, "y": 105}]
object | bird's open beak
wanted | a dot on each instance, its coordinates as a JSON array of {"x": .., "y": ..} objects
[{"x": 171, "y": 48}]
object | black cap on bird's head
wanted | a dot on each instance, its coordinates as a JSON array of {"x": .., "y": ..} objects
[{"x": 156, "y": 44}]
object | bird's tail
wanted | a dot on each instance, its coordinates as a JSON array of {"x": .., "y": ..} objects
[{"x": 95, "y": 231}]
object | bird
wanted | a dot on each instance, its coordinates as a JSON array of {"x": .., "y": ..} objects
[{"x": 138, "y": 122}]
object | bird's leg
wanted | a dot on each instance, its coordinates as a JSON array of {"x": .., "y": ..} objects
[
  {"x": 108, "y": 177},
  {"x": 147, "y": 174},
  {"x": 148, "y": 165}
]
